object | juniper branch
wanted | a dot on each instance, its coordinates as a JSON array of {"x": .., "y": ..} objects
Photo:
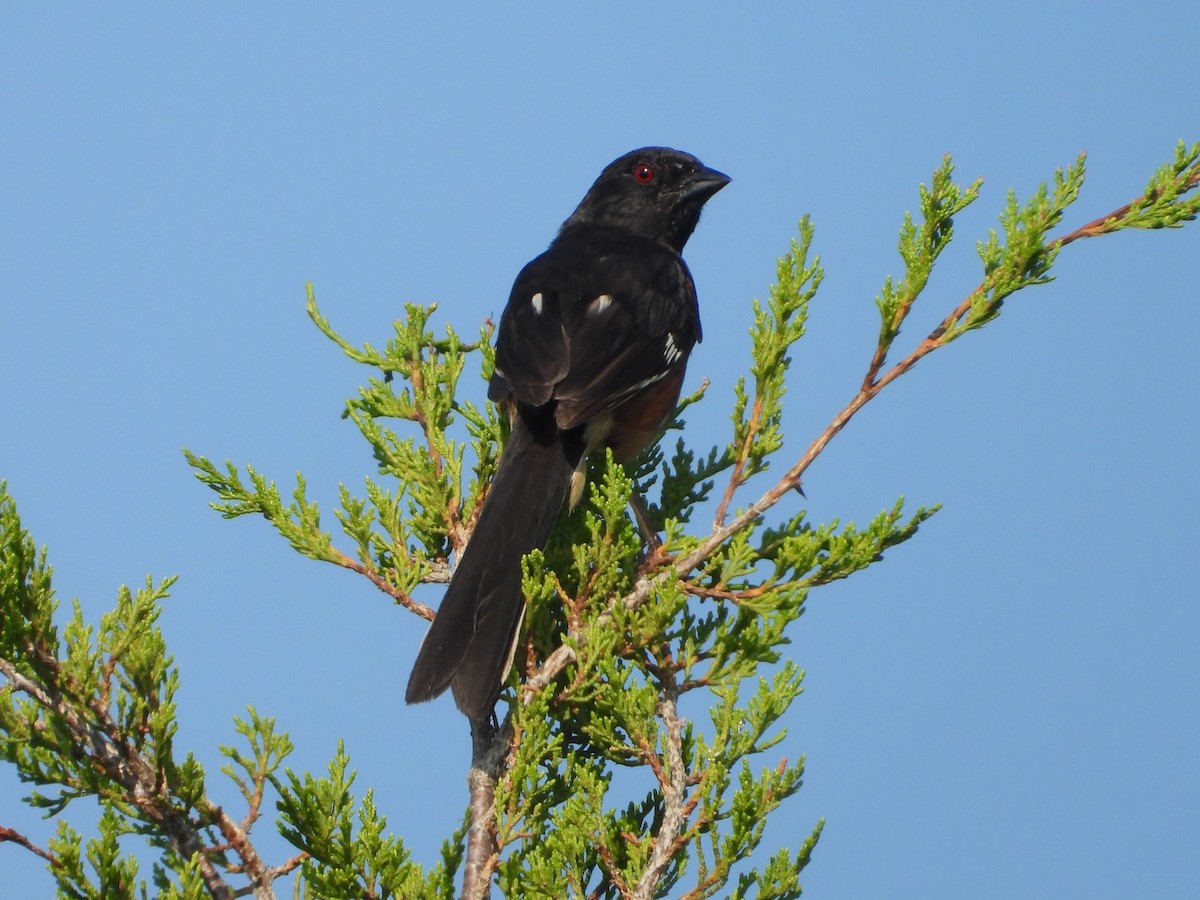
[
  {"x": 1008, "y": 268},
  {"x": 10, "y": 835}
]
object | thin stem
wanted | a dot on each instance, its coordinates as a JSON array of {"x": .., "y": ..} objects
[
  {"x": 12, "y": 836},
  {"x": 672, "y": 782},
  {"x": 488, "y": 748},
  {"x": 684, "y": 565}
]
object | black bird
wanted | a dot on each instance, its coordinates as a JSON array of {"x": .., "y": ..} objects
[{"x": 590, "y": 354}]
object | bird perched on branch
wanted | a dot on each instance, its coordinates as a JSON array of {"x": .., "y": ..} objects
[{"x": 590, "y": 354}]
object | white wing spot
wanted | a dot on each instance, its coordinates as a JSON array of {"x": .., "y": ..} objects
[
  {"x": 671, "y": 351},
  {"x": 600, "y": 304},
  {"x": 536, "y": 301},
  {"x": 646, "y": 382}
]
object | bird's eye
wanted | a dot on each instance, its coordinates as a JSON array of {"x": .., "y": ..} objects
[{"x": 643, "y": 173}]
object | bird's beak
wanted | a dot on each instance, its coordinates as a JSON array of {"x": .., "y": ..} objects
[{"x": 703, "y": 183}]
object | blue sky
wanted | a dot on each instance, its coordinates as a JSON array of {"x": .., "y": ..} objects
[{"x": 1005, "y": 707}]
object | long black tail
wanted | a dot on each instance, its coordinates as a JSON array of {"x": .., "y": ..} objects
[{"x": 469, "y": 646}]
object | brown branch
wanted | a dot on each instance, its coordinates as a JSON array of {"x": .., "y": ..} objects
[
  {"x": 260, "y": 874},
  {"x": 121, "y": 764},
  {"x": 254, "y": 809},
  {"x": 279, "y": 871},
  {"x": 1105, "y": 224},
  {"x": 15, "y": 837},
  {"x": 673, "y": 783},
  {"x": 102, "y": 741},
  {"x": 611, "y": 871},
  {"x": 402, "y": 597},
  {"x": 735, "y": 477},
  {"x": 645, "y": 526},
  {"x": 290, "y": 865},
  {"x": 684, "y": 565},
  {"x": 651, "y": 759},
  {"x": 488, "y": 748},
  {"x": 882, "y": 347},
  {"x": 732, "y": 596}
]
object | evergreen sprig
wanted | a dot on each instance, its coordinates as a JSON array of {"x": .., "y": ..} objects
[
  {"x": 920, "y": 246},
  {"x": 1026, "y": 254},
  {"x": 90, "y": 712},
  {"x": 348, "y": 851},
  {"x": 606, "y": 778},
  {"x": 757, "y": 421}
]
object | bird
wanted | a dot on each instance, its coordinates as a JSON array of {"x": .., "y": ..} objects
[{"x": 590, "y": 354}]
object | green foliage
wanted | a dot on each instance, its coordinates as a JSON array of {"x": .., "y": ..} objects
[
  {"x": 95, "y": 868},
  {"x": 1025, "y": 256},
  {"x": 757, "y": 431},
  {"x": 111, "y": 687},
  {"x": 402, "y": 530},
  {"x": 638, "y": 753},
  {"x": 920, "y": 247},
  {"x": 89, "y": 712},
  {"x": 349, "y": 853},
  {"x": 1165, "y": 202}
]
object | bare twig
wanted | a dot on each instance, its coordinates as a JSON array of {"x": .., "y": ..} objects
[
  {"x": 684, "y": 565},
  {"x": 403, "y": 598},
  {"x": 15, "y": 837},
  {"x": 736, "y": 478},
  {"x": 290, "y": 865}
]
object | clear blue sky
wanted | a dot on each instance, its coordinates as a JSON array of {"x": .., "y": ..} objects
[{"x": 1006, "y": 707}]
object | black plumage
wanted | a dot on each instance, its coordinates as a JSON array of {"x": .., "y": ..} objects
[{"x": 590, "y": 353}]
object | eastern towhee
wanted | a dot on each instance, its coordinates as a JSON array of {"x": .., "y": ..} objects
[{"x": 590, "y": 354}]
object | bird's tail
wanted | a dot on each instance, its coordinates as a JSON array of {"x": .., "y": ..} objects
[{"x": 470, "y": 644}]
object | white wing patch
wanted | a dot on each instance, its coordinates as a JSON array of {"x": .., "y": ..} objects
[
  {"x": 600, "y": 304},
  {"x": 671, "y": 350},
  {"x": 536, "y": 302},
  {"x": 646, "y": 382}
]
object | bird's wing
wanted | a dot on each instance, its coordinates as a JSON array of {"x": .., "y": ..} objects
[{"x": 590, "y": 326}]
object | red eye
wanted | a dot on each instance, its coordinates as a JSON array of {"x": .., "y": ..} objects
[{"x": 643, "y": 173}]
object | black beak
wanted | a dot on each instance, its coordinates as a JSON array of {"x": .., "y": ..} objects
[{"x": 703, "y": 183}]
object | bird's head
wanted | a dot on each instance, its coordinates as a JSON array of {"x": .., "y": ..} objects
[{"x": 654, "y": 192}]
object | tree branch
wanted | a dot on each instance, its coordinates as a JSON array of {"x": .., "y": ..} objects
[
  {"x": 736, "y": 479},
  {"x": 1108, "y": 223},
  {"x": 684, "y": 565},
  {"x": 673, "y": 783},
  {"x": 15, "y": 837},
  {"x": 123, "y": 764},
  {"x": 368, "y": 572},
  {"x": 488, "y": 748}
]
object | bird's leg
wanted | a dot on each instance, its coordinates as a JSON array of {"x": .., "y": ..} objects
[{"x": 649, "y": 535}]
